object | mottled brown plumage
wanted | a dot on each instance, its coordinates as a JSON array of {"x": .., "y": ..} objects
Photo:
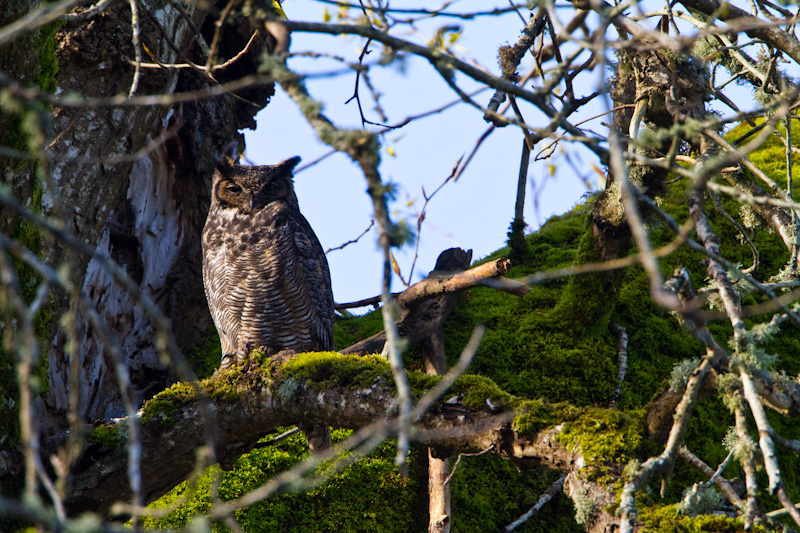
[{"x": 265, "y": 273}]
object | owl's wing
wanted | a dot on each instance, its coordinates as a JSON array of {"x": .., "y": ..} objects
[
  {"x": 217, "y": 283},
  {"x": 314, "y": 274}
]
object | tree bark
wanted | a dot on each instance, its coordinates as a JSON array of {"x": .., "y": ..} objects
[
  {"x": 249, "y": 404},
  {"x": 438, "y": 494},
  {"x": 145, "y": 212}
]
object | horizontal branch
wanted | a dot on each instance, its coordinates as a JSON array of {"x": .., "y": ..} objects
[
  {"x": 723, "y": 484},
  {"x": 424, "y": 306},
  {"x": 252, "y": 400},
  {"x": 486, "y": 274}
]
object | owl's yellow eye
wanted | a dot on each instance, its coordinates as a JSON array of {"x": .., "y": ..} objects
[{"x": 233, "y": 188}]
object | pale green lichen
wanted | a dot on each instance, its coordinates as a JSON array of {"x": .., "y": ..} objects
[
  {"x": 699, "y": 500},
  {"x": 289, "y": 389},
  {"x": 585, "y": 506},
  {"x": 681, "y": 372}
]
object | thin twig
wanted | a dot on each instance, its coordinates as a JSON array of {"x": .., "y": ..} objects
[
  {"x": 622, "y": 359},
  {"x": 352, "y": 241},
  {"x": 421, "y": 216},
  {"x": 714, "y": 476},
  {"x": 458, "y": 461},
  {"x": 137, "y": 49}
]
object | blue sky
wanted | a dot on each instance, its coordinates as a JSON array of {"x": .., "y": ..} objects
[{"x": 473, "y": 212}]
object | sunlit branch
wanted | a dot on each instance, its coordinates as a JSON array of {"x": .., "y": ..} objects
[
  {"x": 622, "y": 359},
  {"x": 731, "y": 268},
  {"x": 662, "y": 464},
  {"x": 754, "y": 27},
  {"x": 433, "y": 12},
  {"x": 742, "y": 231},
  {"x": 137, "y": 49},
  {"x": 712, "y": 475},
  {"x": 716, "y": 271},
  {"x": 421, "y": 216},
  {"x": 91, "y": 11},
  {"x": 554, "y": 489}
]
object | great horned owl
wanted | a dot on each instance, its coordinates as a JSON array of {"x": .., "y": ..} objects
[{"x": 265, "y": 273}]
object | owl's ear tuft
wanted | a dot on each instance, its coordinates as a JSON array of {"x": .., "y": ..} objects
[
  {"x": 287, "y": 165},
  {"x": 228, "y": 157}
]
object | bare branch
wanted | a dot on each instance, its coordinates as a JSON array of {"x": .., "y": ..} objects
[
  {"x": 554, "y": 489},
  {"x": 714, "y": 476}
]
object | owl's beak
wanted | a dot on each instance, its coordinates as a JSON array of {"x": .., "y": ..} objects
[{"x": 252, "y": 201}]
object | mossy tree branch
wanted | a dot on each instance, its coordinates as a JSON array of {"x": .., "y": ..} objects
[{"x": 350, "y": 392}]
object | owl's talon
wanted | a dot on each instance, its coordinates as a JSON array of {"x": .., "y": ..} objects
[{"x": 228, "y": 360}]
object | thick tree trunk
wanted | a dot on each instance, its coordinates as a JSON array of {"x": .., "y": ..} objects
[
  {"x": 145, "y": 213},
  {"x": 438, "y": 494}
]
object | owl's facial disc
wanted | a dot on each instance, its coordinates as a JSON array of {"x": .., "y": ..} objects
[{"x": 272, "y": 190}]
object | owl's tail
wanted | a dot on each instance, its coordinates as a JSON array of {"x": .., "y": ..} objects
[{"x": 318, "y": 436}]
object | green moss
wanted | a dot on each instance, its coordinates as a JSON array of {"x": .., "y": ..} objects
[
  {"x": 536, "y": 347},
  {"x": 106, "y": 436},
  {"x": 771, "y": 155},
  {"x": 605, "y": 436},
  {"x": 254, "y": 372},
  {"x": 45, "y": 44},
  {"x": 551, "y": 358},
  {"x": 519, "y": 247},
  {"x": 490, "y": 492},
  {"x": 206, "y": 354},
  {"x": 19, "y": 125},
  {"x": 349, "y": 330},
  {"x": 368, "y": 496},
  {"x": 325, "y": 370},
  {"x": 330, "y": 369},
  {"x": 162, "y": 406},
  {"x": 476, "y": 390},
  {"x": 666, "y": 519},
  {"x": 29, "y": 236},
  {"x": 16, "y": 133},
  {"x": 539, "y": 414},
  {"x": 588, "y": 300}
]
